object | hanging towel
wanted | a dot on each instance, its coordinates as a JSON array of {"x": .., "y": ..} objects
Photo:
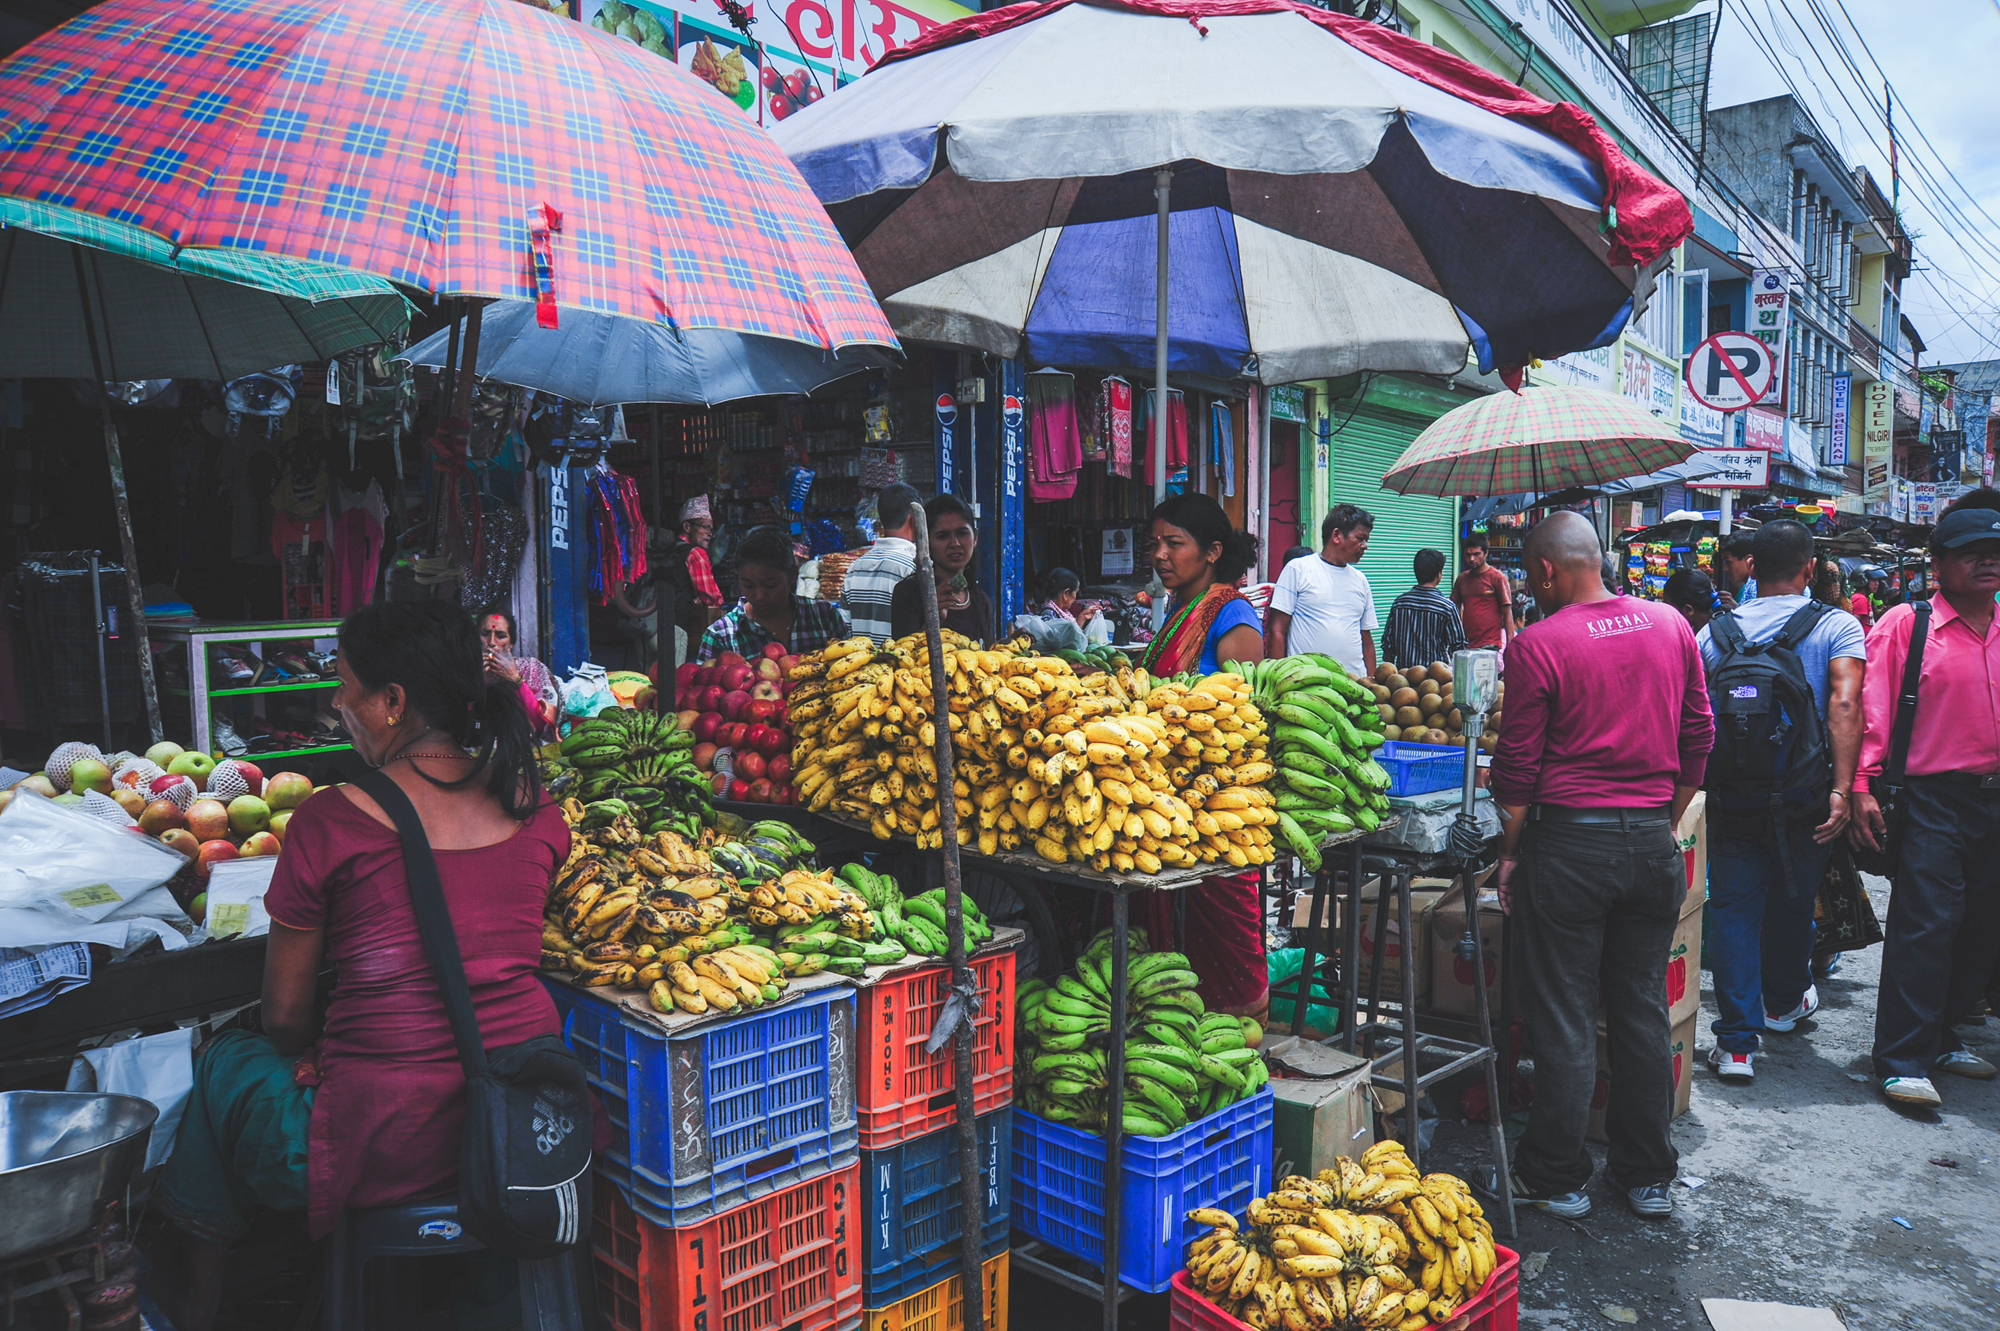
[
  {"x": 1177, "y": 436},
  {"x": 1222, "y": 445},
  {"x": 1114, "y": 424},
  {"x": 1055, "y": 445}
]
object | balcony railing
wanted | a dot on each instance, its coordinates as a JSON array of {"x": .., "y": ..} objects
[{"x": 1864, "y": 349}]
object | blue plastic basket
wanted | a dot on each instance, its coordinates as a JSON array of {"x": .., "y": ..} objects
[
  {"x": 1222, "y": 1161},
  {"x": 1418, "y": 769},
  {"x": 915, "y": 1225},
  {"x": 724, "y": 1114}
]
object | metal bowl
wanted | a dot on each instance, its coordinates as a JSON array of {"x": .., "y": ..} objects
[{"x": 63, "y": 1154}]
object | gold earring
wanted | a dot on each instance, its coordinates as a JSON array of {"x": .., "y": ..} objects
[{"x": 392, "y": 720}]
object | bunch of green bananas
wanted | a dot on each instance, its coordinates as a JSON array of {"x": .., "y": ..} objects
[
  {"x": 640, "y": 758},
  {"x": 1325, "y": 728},
  {"x": 917, "y": 923},
  {"x": 1181, "y": 1063}
]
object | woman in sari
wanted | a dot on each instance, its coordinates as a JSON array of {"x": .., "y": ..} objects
[{"x": 1200, "y": 557}]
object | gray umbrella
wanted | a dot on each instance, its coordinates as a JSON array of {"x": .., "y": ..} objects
[{"x": 601, "y": 359}]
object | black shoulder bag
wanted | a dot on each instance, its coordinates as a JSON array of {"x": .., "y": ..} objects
[
  {"x": 1888, "y": 788},
  {"x": 524, "y": 1164}
]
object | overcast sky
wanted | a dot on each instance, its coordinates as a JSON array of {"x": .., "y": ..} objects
[{"x": 1943, "y": 57}]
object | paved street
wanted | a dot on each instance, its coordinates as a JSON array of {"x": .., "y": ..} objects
[{"x": 1805, "y": 1172}]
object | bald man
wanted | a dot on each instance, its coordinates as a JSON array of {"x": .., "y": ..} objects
[{"x": 1603, "y": 742}]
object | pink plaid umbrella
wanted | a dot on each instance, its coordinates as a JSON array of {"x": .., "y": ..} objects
[
  {"x": 462, "y": 147},
  {"x": 1544, "y": 438}
]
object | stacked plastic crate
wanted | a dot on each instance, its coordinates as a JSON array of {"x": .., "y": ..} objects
[
  {"x": 906, "y": 1102},
  {"x": 730, "y": 1196}
]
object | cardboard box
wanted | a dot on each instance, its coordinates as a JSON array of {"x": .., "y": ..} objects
[
  {"x": 1681, "y": 1042},
  {"x": 1692, "y": 833},
  {"x": 1424, "y": 895},
  {"x": 1684, "y": 969},
  {"x": 1451, "y": 975},
  {"x": 1317, "y": 1118}
]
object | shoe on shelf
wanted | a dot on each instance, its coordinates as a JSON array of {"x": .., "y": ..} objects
[
  {"x": 1965, "y": 1063},
  {"x": 1571, "y": 1205},
  {"x": 1914, "y": 1092},
  {"x": 225, "y": 737},
  {"x": 1732, "y": 1067},
  {"x": 235, "y": 671},
  {"x": 1808, "y": 1005},
  {"x": 296, "y": 665},
  {"x": 1653, "y": 1199}
]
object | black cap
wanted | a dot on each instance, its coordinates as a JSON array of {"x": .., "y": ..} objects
[{"x": 1964, "y": 527}]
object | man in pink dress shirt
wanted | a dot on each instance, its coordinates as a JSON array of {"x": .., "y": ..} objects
[
  {"x": 1945, "y": 911},
  {"x": 1605, "y": 738}
]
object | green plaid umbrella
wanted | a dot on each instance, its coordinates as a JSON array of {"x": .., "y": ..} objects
[
  {"x": 68, "y": 279},
  {"x": 1543, "y": 438}
]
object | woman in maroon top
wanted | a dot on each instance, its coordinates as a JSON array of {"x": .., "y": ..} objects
[{"x": 362, "y": 1104}]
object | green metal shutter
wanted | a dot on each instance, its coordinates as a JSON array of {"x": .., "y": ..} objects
[{"x": 1365, "y": 445}]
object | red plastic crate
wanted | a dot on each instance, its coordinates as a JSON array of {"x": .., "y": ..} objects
[
  {"x": 1496, "y": 1307},
  {"x": 788, "y": 1260},
  {"x": 901, "y": 1092}
]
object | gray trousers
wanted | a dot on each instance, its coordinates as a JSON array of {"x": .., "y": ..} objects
[
  {"x": 1594, "y": 917},
  {"x": 1944, "y": 924}
]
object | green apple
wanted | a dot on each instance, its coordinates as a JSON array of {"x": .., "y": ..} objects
[
  {"x": 194, "y": 766},
  {"x": 163, "y": 753},
  {"x": 248, "y": 814},
  {"x": 90, "y": 774}
]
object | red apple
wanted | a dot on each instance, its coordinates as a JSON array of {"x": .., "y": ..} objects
[
  {"x": 182, "y": 840},
  {"x": 760, "y": 791},
  {"x": 768, "y": 667},
  {"x": 767, "y": 690},
  {"x": 777, "y": 741},
  {"x": 260, "y": 843},
  {"x": 728, "y": 659},
  {"x": 812, "y": 94},
  {"x": 749, "y": 764},
  {"x": 795, "y": 83},
  {"x": 772, "y": 80},
  {"x": 705, "y": 726},
  {"x": 778, "y": 766},
  {"x": 733, "y": 704},
  {"x": 210, "y": 852},
  {"x": 760, "y": 711},
  {"x": 708, "y": 699},
  {"x": 684, "y": 676},
  {"x": 737, "y": 730},
  {"x": 287, "y": 790},
  {"x": 704, "y": 757},
  {"x": 208, "y": 820},
  {"x": 737, "y": 678},
  {"x": 775, "y": 651},
  {"x": 739, "y": 790},
  {"x": 647, "y": 699},
  {"x": 161, "y": 816}
]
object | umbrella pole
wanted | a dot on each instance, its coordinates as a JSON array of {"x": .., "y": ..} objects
[
  {"x": 1163, "y": 184},
  {"x": 962, "y": 1003},
  {"x": 468, "y": 365}
]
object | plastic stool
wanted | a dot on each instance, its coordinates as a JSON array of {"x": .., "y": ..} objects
[{"x": 557, "y": 1293}]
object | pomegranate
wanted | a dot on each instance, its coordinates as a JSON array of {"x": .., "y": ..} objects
[
  {"x": 778, "y": 766},
  {"x": 750, "y": 764},
  {"x": 760, "y": 791}
]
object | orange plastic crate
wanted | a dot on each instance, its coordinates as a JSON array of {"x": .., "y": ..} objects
[
  {"x": 942, "y": 1306},
  {"x": 901, "y": 1092},
  {"x": 789, "y": 1260}
]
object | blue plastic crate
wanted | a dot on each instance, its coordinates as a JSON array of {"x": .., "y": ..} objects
[
  {"x": 1222, "y": 1161},
  {"x": 915, "y": 1228},
  {"x": 1418, "y": 769},
  {"x": 726, "y": 1113}
]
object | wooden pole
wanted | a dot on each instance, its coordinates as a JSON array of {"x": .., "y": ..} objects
[{"x": 972, "y": 1198}]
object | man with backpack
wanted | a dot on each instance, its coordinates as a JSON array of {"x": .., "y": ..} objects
[{"x": 1784, "y": 674}]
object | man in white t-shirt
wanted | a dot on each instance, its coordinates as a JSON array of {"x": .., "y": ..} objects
[{"x": 1324, "y": 603}]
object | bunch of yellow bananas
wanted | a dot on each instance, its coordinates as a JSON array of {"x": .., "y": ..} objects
[
  {"x": 1308, "y": 1264},
  {"x": 1215, "y": 738}
]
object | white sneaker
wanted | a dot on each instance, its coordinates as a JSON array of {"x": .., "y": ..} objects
[
  {"x": 1807, "y": 1006},
  {"x": 1965, "y": 1063},
  {"x": 1732, "y": 1067},
  {"x": 1916, "y": 1092}
]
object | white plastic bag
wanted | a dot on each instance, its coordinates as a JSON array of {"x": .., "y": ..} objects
[
  {"x": 159, "y": 1068},
  {"x": 72, "y": 866},
  {"x": 236, "y": 896},
  {"x": 587, "y": 691}
]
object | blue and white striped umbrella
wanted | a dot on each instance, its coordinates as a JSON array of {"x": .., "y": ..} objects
[{"x": 1342, "y": 197}]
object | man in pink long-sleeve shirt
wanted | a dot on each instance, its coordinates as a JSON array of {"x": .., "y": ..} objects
[
  {"x": 1603, "y": 742},
  {"x": 1945, "y": 912}
]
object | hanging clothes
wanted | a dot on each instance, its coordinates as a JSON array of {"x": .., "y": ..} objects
[
  {"x": 1177, "y": 436},
  {"x": 355, "y": 540},
  {"x": 1114, "y": 424},
  {"x": 1222, "y": 445},
  {"x": 1055, "y": 445},
  {"x": 617, "y": 532}
]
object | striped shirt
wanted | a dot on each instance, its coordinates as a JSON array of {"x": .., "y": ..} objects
[
  {"x": 1423, "y": 627},
  {"x": 871, "y": 580}
]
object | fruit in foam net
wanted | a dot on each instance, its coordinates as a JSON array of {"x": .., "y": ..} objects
[
  {"x": 226, "y": 782},
  {"x": 175, "y": 786},
  {"x": 136, "y": 774},
  {"x": 90, "y": 774},
  {"x": 66, "y": 756}
]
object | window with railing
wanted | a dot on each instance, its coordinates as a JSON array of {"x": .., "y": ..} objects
[{"x": 1659, "y": 324}]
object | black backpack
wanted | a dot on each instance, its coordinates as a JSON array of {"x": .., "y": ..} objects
[
  {"x": 1771, "y": 763},
  {"x": 524, "y": 1162}
]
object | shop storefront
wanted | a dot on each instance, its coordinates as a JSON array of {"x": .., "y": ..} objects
[{"x": 1367, "y": 432}]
